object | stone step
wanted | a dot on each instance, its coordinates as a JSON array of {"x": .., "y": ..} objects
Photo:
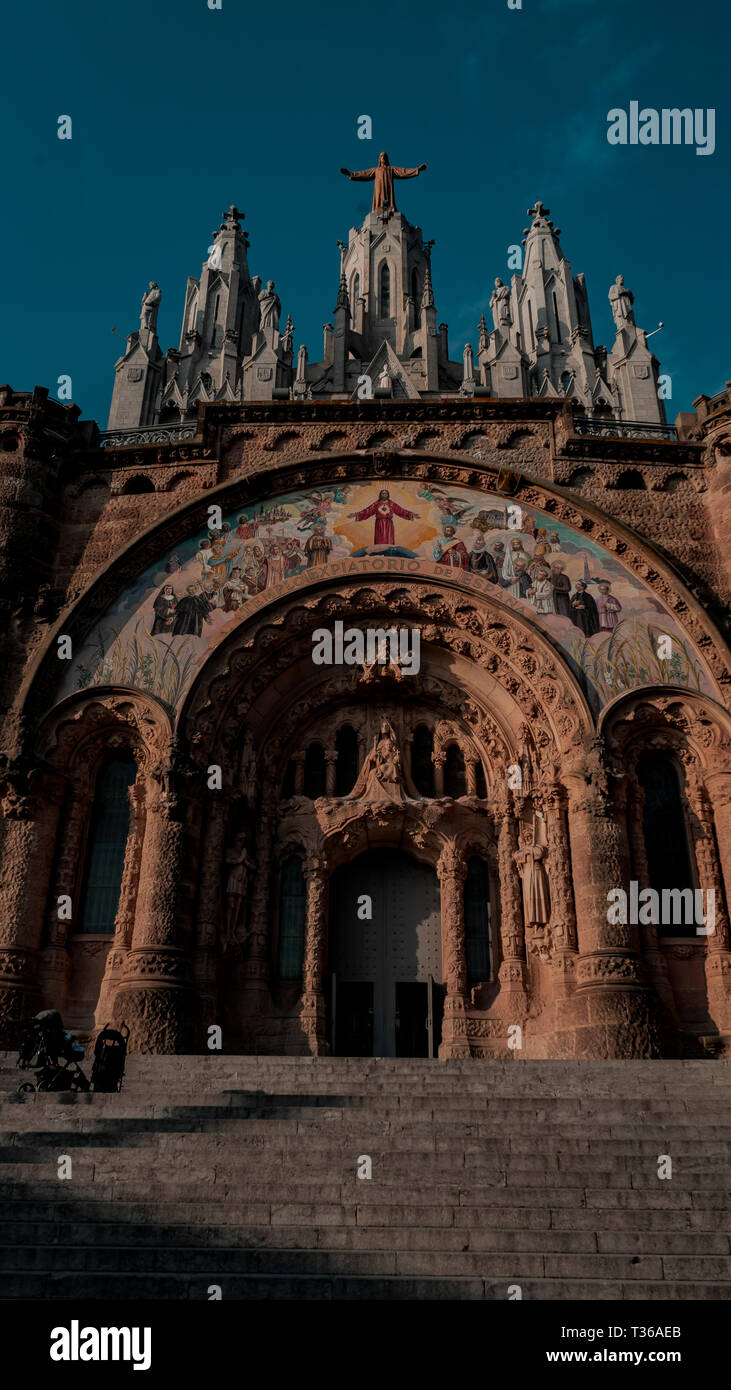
[
  {"x": 119, "y": 1286},
  {"x": 678, "y": 1115},
  {"x": 238, "y": 1215},
  {"x": 302, "y": 1164},
  {"x": 475, "y": 1077},
  {"x": 222, "y": 1261},
  {"x": 537, "y": 1241},
  {"x": 548, "y": 1149}
]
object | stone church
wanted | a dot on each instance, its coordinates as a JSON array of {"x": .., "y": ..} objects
[{"x": 204, "y": 827}]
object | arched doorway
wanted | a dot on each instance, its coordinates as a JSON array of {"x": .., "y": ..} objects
[{"x": 385, "y": 957}]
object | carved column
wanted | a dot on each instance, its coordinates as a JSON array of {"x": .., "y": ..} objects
[
  {"x": 654, "y": 956},
  {"x": 313, "y": 1013},
  {"x": 718, "y": 955},
  {"x": 718, "y": 787},
  {"x": 438, "y": 761},
  {"x": 253, "y": 971},
  {"x": 210, "y": 913},
  {"x": 452, "y": 871},
  {"x": 617, "y": 1015},
  {"x": 471, "y": 774},
  {"x": 331, "y": 763},
  {"x": 563, "y": 913},
  {"x": 55, "y": 962},
  {"x": 124, "y": 922},
  {"x": 155, "y": 998},
  {"x": 299, "y": 774},
  {"x": 512, "y": 999},
  {"x": 30, "y": 822}
]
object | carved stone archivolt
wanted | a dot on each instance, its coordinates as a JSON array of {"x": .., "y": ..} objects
[{"x": 514, "y": 667}]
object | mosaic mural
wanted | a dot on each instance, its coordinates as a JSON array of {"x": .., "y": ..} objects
[{"x": 161, "y": 629}]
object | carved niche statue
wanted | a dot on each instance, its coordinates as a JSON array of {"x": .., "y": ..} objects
[
  {"x": 621, "y": 300},
  {"x": 150, "y": 305},
  {"x": 237, "y": 878},
  {"x": 529, "y": 862},
  {"x": 383, "y": 776},
  {"x": 269, "y": 307},
  {"x": 500, "y": 305}
]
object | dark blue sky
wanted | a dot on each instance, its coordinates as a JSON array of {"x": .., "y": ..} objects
[{"x": 178, "y": 111}]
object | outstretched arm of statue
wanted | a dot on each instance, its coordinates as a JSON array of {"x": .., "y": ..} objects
[
  {"x": 359, "y": 173},
  {"x": 407, "y": 173}
]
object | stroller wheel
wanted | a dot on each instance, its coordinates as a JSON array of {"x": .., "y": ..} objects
[{"x": 25, "y": 1088}]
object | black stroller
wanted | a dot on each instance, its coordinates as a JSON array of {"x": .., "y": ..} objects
[
  {"x": 53, "y": 1053},
  {"x": 110, "y": 1054}
]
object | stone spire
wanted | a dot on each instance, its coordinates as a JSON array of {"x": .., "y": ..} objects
[
  {"x": 427, "y": 298},
  {"x": 343, "y": 300},
  {"x": 220, "y": 318}
]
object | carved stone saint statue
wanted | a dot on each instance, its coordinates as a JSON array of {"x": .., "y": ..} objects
[
  {"x": 536, "y": 898},
  {"x": 500, "y": 305},
  {"x": 384, "y": 379},
  {"x": 269, "y": 307},
  {"x": 383, "y": 776},
  {"x": 621, "y": 300},
  {"x": 237, "y": 877},
  {"x": 150, "y": 305}
]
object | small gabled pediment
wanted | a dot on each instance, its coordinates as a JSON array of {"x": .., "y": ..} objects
[{"x": 401, "y": 384}]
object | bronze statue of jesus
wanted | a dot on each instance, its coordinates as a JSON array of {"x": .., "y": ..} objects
[{"x": 383, "y": 176}]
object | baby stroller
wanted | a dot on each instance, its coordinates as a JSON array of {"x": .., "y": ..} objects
[
  {"x": 110, "y": 1054},
  {"x": 53, "y": 1053}
]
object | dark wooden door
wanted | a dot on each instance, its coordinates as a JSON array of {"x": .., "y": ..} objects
[{"x": 394, "y": 949}]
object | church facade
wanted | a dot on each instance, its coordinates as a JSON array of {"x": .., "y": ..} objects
[{"x": 371, "y": 702}]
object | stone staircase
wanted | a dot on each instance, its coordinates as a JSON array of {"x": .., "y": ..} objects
[{"x": 242, "y": 1173}]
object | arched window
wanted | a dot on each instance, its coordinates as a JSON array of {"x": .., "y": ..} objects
[
  {"x": 530, "y": 324},
  {"x": 422, "y": 766},
  {"x": 106, "y": 846},
  {"x": 315, "y": 771},
  {"x": 666, "y": 835},
  {"x": 134, "y": 487},
  {"x": 385, "y": 291},
  {"x": 455, "y": 779},
  {"x": 477, "y": 920},
  {"x": 346, "y": 769},
  {"x": 292, "y": 917},
  {"x": 480, "y": 783},
  {"x": 355, "y": 296},
  {"x": 631, "y": 481},
  {"x": 416, "y": 296}
]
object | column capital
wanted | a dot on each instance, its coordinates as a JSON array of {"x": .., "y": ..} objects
[{"x": 452, "y": 862}]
